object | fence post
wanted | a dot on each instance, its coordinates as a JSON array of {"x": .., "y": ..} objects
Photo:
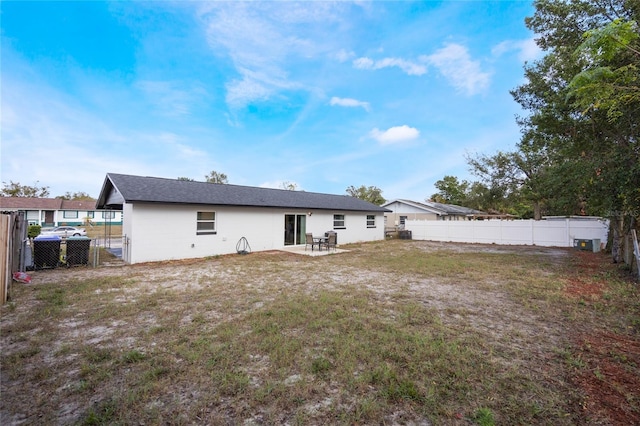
[
  {"x": 636, "y": 252},
  {"x": 5, "y": 257}
]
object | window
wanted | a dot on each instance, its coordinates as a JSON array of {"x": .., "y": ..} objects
[
  {"x": 402, "y": 220},
  {"x": 70, "y": 214},
  {"x": 108, "y": 215},
  {"x": 91, "y": 215},
  {"x": 338, "y": 221},
  {"x": 371, "y": 221},
  {"x": 206, "y": 223}
]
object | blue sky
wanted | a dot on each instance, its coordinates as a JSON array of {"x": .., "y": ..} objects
[{"x": 323, "y": 95}]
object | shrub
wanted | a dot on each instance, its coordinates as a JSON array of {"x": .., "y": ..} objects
[{"x": 33, "y": 231}]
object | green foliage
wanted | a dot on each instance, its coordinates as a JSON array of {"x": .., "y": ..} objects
[
  {"x": 605, "y": 43},
  {"x": 289, "y": 186},
  {"x": 451, "y": 191},
  {"x": 320, "y": 366},
  {"x": 33, "y": 231},
  {"x": 583, "y": 100},
  {"x": 76, "y": 196},
  {"x": 133, "y": 356},
  {"x": 216, "y": 177},
  {"x": 611, "y": 79},
  {"x": 484, "y": 417},
  {"x": 372, "y": 194},
  {"x": 15, "y": 189}
]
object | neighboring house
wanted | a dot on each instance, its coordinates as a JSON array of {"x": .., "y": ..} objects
[
  {"x": 48, "y": 212},
  {"x": 176, "y": 219},
  {"x": 402, "y": 210}
]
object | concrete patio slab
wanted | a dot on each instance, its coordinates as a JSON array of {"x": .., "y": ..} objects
[{"x": 309, "y": 252}]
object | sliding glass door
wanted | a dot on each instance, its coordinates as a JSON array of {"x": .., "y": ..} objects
[{"x": 295, "y": 226}]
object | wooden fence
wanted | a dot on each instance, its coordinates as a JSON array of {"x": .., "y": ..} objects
[
  {"x": 13, "y": 232},
  {"x": 6, "y": 258}
]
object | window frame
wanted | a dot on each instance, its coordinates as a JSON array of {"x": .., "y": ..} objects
[
  {"x": 336, "y": 221},
  {"x": 200, "y": 220},
  {"x": 70, "y": 214},
  {"x": 111, "y": 213},
  {"x": 371, "y": 221}
]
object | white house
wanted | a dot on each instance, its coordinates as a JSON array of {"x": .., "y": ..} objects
[
  {"x": 57, "y": 212},
  {"x": 175, "y": 219},
  {"x": 402, "y": 210}
]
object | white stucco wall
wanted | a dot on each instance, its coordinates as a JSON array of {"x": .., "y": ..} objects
[{"x": 157, "y": 232}]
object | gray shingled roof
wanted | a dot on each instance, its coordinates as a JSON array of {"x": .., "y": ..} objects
[
  {"x": 446, "y": 209},
  {"x": 452, "y": 208},
  {"x": 29, "y": 203},
  {"x": 139, "y": 189}
]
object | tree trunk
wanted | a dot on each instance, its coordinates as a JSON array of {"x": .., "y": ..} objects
[
  {"x": 617, "y": 230},
  {"x": 537, "y": 211}
]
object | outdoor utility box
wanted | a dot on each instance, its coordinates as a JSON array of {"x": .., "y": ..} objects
[
  {"x": 46, "y": 251},
  {"x": 404, "y": 234},
  {"x": 587, "y": 245},
  {"x": 78, "y": 250}
]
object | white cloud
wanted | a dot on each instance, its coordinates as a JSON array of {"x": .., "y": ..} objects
[
  {"x": 527, "y": 50},
  {"x": 343, "y": 56},
  {"x": 37, "y": 117},
  {"x": 408, "y": 67},
  {"x": 455, "y": 64},
  {"x": 241, "y": 92},
  {"x": 394, "y": 135},
  {"x": 350, "y": 103},
  {"x": 364, "y": 64},
  {"x": 262, "y": 39},
  {"x": 171, "y": 98}
]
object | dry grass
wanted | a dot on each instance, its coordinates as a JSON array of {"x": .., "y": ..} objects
[
  {"x": 394, "y": 332},
  {"x": 99, "y": 231}
]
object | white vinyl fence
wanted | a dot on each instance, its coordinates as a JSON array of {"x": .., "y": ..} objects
[{"x": 549, "y": 233}]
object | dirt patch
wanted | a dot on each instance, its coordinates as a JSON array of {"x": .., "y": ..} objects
[
  {"x": 586, "y": 285},
  {"x": 608, "y": 362},
  {"x": 610, "y": 386}
]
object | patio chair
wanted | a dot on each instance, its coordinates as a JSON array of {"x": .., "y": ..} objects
[
  {"x": 330, "y": 241},
  {"x": 309, "y": 241}
]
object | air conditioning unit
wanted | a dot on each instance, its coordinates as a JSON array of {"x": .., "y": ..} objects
[{"x": 587, "y": 245}]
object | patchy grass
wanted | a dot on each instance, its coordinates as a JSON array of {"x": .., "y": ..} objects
[{"x": 392, "y": 332}]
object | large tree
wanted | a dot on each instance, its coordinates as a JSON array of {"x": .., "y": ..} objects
[
  {"x": 582, "y": 105},
  {"x": 15, "y": 189},
  {"x": 451, "y": 191},
  {"x": 372, "y": 194}
]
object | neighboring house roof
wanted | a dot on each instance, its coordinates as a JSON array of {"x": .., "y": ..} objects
[
  {"x": 118, "y": 188},
  {"x": 30, "y": 203},
  {"x": 439, "y": 208}
]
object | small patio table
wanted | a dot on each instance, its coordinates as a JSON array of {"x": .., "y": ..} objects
[{"x": 319, "y": 241}]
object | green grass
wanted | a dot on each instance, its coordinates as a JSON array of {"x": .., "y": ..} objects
[{"x": 261, "y": 338}]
